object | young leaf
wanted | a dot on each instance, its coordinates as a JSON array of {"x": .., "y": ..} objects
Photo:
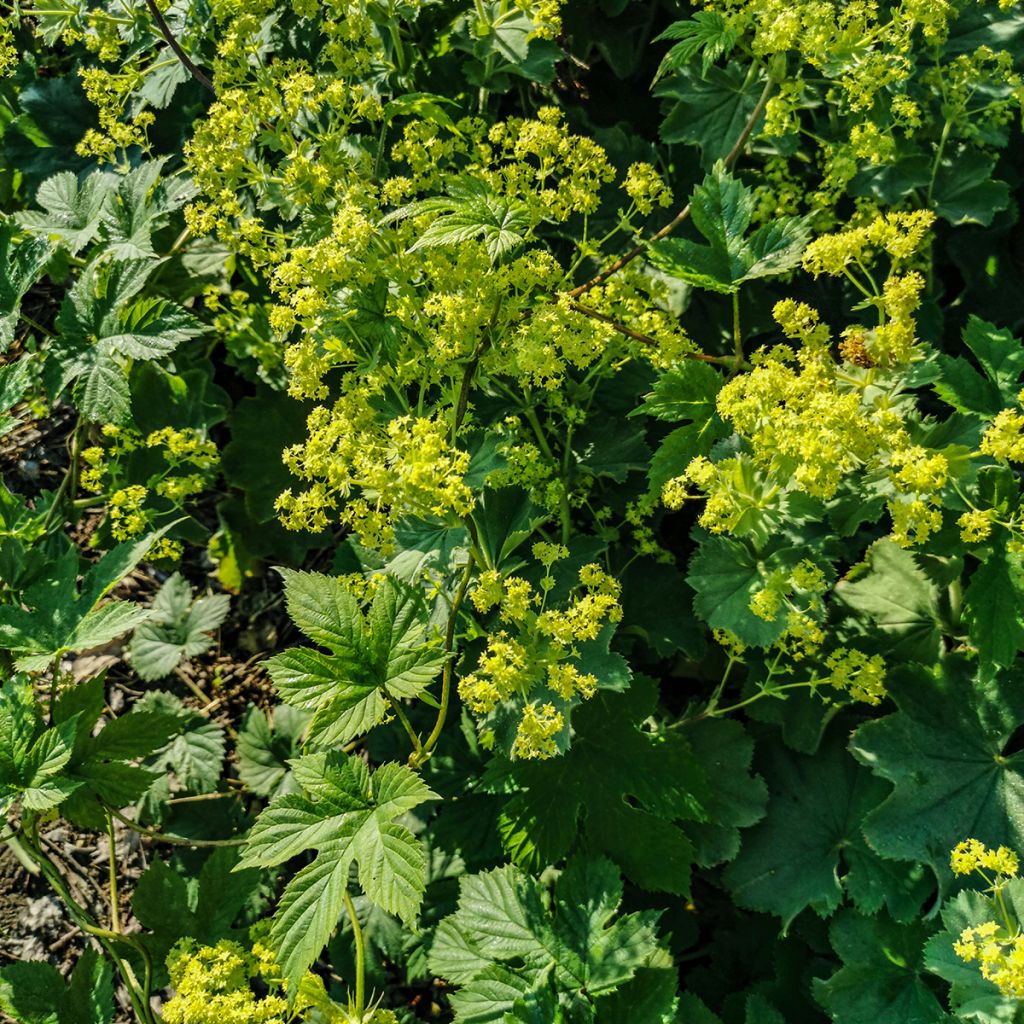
[
  {"x": 347, "y": 816},
  {"x": 72, "y": 210},
  {"x": 177, "y": 628},
  {"x": 470, "y": 211},
  {"x": 100, "y": 327},
  {"x": 721, "y": 210},
  {"x": 705, "y": 33},
  {"x": 376, "y": 658}
]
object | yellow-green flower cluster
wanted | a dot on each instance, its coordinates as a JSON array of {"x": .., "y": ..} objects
[
  {"x": 1004, "y": 437},
  {"x": 976, "y": 525},
  {"x": 537, "y": 731},
  {"x": 857, "y": 674},
  {"x": 8, "y": 51},
  {"x": 972, "y": 855},
  {"x": 406, "y": 465},
  {"x": 918, "y": 476},
  {"x": 190, "y": 462},
  {"x": 999, "y": 953},
  {"x": 644, "y": 185},
  {"x": 127, "y": 517},
  {"x": 850, "y": 253},
  {"x": 111, "y": 93},
  {"x": 540, "y": 654},
  {"x": 997, "y": 948},
  {"x": 212, "y": 986}
]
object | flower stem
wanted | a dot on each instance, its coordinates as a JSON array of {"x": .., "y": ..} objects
[{"x": 357, "y": 938}]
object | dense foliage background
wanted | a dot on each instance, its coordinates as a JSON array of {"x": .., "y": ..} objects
[{"x": 511, "y": 511}]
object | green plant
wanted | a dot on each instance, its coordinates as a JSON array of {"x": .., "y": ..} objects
[{"x": 623, "y": 401}]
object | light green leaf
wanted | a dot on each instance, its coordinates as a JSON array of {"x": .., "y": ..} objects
[
  {"x": 72, "y": 211},
  {"x": 383, "y": 656},
  {"x": 721, "y": 210},
  {"x": 347, "y": 816},
  {"x": 176, "y": 628},
  {"x": 705, "y": 33}
]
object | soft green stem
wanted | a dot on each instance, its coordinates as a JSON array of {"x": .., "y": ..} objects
[
  {"x": 767, "y": 692},
  {"x": 115, "y": 915},
  {"x": 417, "y": 745},
  {"x": 737, "y": 331},
  {"x": 164, "y": 837},
  {"x": 448, "y": 671},
  {"x": 139, "y": 995},
  {"x": 936, "y": 163},
  {"x": 21, "y": 854},
  {"x": 357, "y": 938}
]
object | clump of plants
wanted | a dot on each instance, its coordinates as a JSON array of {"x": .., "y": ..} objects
[{"x": 528, "y": 520}]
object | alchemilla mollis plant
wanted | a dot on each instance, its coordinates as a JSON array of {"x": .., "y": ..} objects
[{"x": 512, "y": 511}]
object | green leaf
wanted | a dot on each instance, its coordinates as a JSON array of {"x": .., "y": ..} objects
[
  {"x": 710, "y": 111},
  {"x": 471, "y": 210},
  {"x": 89, "y": 996},
  {"x": 649, "y": 784},
  {"x": 375, "y": 658},
  {"x": 686, "y": 392},
  {"x": 101, "y": 391},
  {"x": 264, "y": 750},
  {"x": 196, "y": 752},
  {"x": 999, "y": 354},
  {"x": 20, "y": 265},
  {"x": 726, "y": 574},
  {"x": 176, "y": 628},
  {"x": 30, "y": 992},
  {"x": 172, "y": 901},
  {"x": 33, "y": 992},
  {"x": 966, "y": 191},
  {"x": 347, "y": 815},
  {"x": 971, "y": 996},
  {"x": 72, "y": 210},
  {"x": 895, "y": 606},
  {"x": 881, "y": 977},
  {"x": 502, "y": 932},
  {"x": 992, "y": 607},
  {"x": 735, "y": 799},
  {"x": 705, "y": 33},
  {"x": 721, "y": 210},
  {"x": 150, "y": 329},
  {"x": 793, "y": 859},
  {"x": 324, "y": 610},
  {"x": 1001, "y": 358},
  {"x": 951, "y": 778}
]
